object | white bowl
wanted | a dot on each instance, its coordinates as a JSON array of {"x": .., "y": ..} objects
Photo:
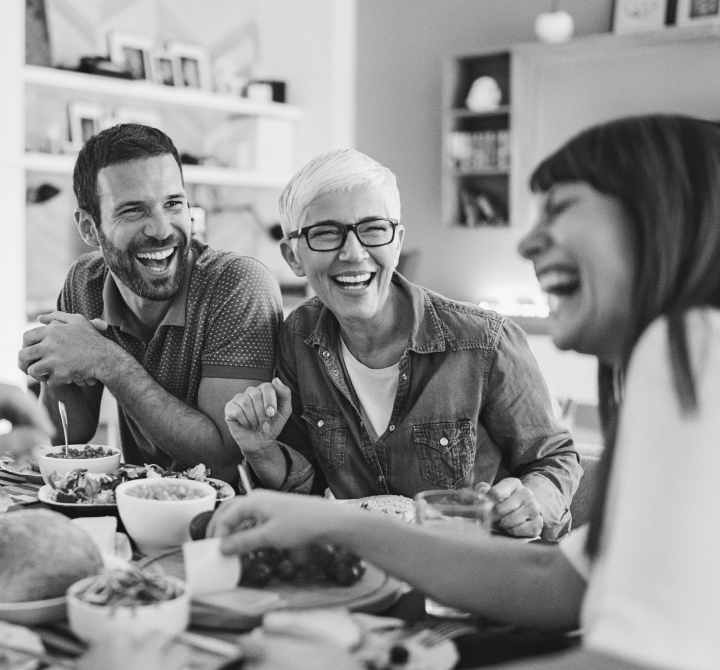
[
  {"x": 62, "y": 466},
  {"x": 156, "y": 525},
  {"x": 93, "y": 622}
]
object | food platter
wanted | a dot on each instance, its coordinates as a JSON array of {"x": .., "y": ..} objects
[
  {"x": 75, "y": 509},
  {"x": 374, "y": 592},
  {"x": 37, "y": 612},
  {"x": 34, "y": 612},
  {"x": 28, "y": 474}
]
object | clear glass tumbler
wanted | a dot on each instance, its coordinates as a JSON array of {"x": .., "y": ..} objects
[{"x": 453, "y": 511}]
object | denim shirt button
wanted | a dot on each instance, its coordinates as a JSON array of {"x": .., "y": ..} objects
[
  {"x": 321, "y": 423},
  {"x": 443, "y": 441},
  {"x": 380, "y": 478},
  {"x": 391, "y": 427},
  {"x": 326, "y": 354},
  {"x": 334, "y": 373},
  {"x": 404, "y": 377}
]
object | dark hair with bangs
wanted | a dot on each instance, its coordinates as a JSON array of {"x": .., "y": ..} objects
[
  {"x": 119, "y": 144},
  {"x": 666, "y": 172}
]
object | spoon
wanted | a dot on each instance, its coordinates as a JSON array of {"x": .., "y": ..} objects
[
  {"x": 244, "y": 478},
  {"x": 63, "y": 418}
]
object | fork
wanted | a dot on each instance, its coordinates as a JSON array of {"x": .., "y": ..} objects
[{"x": 445, "y": 630}]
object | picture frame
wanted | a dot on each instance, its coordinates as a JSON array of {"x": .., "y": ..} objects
[
  {"x": 133, "y": 51},
  {"x": 143, "y": 115},
  {"x": 694, "y": 12},
  {"x": 636, "y": 16},
  {"x": 192, "y": 65},
  {"x": 164, "y": 68},
  {"x": 85, "y": 120}
]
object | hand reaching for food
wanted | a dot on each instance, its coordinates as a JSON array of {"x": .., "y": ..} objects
[{"x": 257, "y": 415}]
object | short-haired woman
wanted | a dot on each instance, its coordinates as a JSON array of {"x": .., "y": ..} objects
[{"x": 389, "y": 388}]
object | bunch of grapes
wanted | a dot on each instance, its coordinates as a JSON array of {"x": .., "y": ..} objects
[{"x": 315, "y": 561}]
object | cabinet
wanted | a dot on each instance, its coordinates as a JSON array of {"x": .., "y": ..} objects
[{"x": 476, "y": 140}]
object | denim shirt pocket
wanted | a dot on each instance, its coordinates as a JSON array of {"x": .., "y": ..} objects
[
  {"x": 328, "y": 434},
  {"x": 446, "y": 451}
]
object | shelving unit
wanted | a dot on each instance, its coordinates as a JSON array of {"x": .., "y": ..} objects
[
  {"x": 146, "y": 91},
  {"x": 476, "y": 145},
  {"x": 193, "y": 174}
]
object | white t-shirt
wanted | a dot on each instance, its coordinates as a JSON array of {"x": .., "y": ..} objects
[
  {"x": 375, "y": 389},
  {"x": 654, "y": 593}
]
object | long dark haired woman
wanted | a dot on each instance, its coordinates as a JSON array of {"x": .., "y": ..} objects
[{"x": 627, "y": 245}]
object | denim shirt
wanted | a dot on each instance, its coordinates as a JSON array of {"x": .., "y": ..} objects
[{"x": 471, "y": 406}]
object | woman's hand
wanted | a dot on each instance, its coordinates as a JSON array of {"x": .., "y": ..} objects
[
  {"x": 257, "y": 415},
  {"x": 284, "y": 520},
  {"x": 516, "y": 509}
]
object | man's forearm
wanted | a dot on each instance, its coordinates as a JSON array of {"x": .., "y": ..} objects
[
  {"x": 187, "y": 435},
  {"x": 513, "y": 582}
]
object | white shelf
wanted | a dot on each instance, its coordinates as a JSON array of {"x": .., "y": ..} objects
[
  {"x": 143, "y": 90},
  {"x": 194, "y": 174}
]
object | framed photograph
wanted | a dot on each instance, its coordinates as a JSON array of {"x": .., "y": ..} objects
[
  {"x": 691, "y": 12},
  {"x": 164, "y": 67},
  {"x": 142, "y": 115},
  {"x": 133, "y": 52},
  {"x": 192, "y": 65},
  {"x": 85, "y": 121},
  {"x": 636, "y": 16}
]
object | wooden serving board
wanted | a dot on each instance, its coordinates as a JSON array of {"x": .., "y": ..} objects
[{"x": 372, "y": 594}]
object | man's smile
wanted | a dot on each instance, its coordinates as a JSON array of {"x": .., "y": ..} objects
[{"x": 157, "y": 261}]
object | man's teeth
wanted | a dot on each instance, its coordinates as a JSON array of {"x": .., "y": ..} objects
[
  {"x": 156, "y": 255},
  {"x": 353, "y": 279}
]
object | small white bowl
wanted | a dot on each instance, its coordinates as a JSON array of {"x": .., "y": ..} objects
[
  {"x": 62, "y": 466},
  {"x": 93, "y": 622},
  {"x": 156, "y": 525}
]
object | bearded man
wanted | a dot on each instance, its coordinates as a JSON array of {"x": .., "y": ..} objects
[{"x": 173, "y": 328}]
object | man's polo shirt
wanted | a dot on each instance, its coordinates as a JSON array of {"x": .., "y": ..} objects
[{"x": 223, "y": 322}]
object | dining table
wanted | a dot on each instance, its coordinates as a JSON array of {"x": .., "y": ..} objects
[{"x": 480, "y": 642}]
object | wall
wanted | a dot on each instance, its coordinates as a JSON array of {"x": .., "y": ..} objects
[{"x": 401, "y": 46}]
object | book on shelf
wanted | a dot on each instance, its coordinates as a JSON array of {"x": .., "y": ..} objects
[{"x": 487, "y": 150}]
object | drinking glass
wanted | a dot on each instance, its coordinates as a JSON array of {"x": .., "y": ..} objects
[{"x": 454, "y": 511}]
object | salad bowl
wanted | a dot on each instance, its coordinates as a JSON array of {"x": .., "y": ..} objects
[{"x": 49, "y": 464}]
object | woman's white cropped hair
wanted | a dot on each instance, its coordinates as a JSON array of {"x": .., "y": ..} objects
[{"x": 338, "y": 170}]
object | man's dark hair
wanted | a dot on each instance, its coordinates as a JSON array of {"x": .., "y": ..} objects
[{"x": 119, "y": 144}]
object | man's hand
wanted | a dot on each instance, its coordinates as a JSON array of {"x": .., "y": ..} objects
[
  {"x": 66, "y": 349},
  {"x": 516, "y": 509},
  {"x": 256, "y": 416}
]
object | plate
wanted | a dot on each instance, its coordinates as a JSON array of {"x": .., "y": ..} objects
[
  {"x": 27, "y": 474},
  {"x": 104, "y": 509},
  {"x": 373, "y": 593},
  {"x": 34, "y": 612}
]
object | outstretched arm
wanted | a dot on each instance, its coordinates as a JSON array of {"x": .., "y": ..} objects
[{"x": 523, "y": 584}]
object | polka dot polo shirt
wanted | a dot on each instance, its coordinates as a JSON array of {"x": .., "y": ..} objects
[{"x": 223, "y": 322}]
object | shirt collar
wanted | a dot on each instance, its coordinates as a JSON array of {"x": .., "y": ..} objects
[
  {"x": 428, "y": 334},
  {"x": 114, "y": 307}
]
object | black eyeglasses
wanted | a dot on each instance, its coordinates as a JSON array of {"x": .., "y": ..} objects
[{"x": 332, "y": 236}]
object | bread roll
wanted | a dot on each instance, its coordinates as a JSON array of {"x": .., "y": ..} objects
[{"x": 41, "y": 554}]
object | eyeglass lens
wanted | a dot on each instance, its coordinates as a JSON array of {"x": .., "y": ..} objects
[{"x": 329, "y": 236}]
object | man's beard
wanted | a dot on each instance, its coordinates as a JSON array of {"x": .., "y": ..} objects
[{"x": 122, "y": 265}]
